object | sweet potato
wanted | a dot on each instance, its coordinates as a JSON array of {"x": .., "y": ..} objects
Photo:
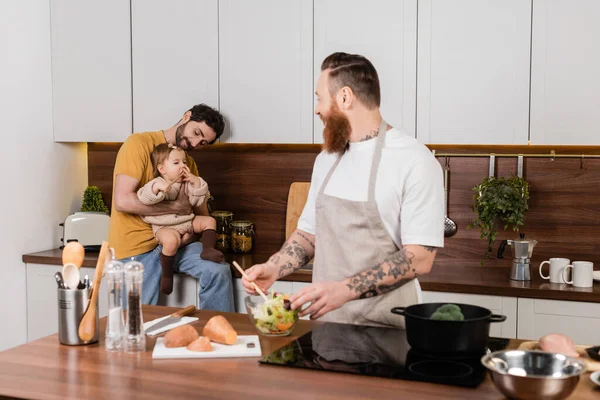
[
  {"x": 200, "y": 344},
  {"x": 181, "y": 336},
  {"x": 219, "y": 330}
]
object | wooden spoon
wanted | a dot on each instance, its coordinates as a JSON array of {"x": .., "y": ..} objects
[
  {"x": 87, "y": 326},
  {"x": 174, "y": 182},
  {"x": 264, "y": 296}
]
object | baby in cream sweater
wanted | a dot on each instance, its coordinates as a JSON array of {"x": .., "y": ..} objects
[{"x": 171, "y": 171}]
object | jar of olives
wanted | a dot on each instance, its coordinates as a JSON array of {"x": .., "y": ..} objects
[
  {"x": 242, "y": 236},
  {"x": 223, "y": 219}
]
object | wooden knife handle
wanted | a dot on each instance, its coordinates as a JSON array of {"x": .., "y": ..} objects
[{"x": 183, "y": 312}]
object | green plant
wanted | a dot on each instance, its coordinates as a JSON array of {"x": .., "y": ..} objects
[
  {"x": 92, "y": 200},
  {"x": 503, "y": 199}
]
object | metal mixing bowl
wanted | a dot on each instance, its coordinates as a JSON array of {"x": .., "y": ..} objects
[{"x": 531, "y": 374}]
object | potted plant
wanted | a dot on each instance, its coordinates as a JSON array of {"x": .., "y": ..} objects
[
  {"x": 499, "y": 199},
  {"x": 92, "y": 200}
]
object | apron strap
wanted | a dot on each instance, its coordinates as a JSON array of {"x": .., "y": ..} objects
[
  {"x": 324, "y": 184},
  {"x": 376, "y": 159}
]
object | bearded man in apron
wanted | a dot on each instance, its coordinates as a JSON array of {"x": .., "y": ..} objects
[{"x": 374, "y": 216}]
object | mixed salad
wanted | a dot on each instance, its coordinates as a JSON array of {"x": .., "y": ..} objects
[{"x": 274, "y": 316}]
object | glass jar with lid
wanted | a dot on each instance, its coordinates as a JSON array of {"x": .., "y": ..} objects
[
  {"x": 242, "y": 236},
  {"x": 223, "y": 219}
]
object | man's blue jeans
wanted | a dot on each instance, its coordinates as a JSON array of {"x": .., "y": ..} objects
[{"x": 216, "y": 285}]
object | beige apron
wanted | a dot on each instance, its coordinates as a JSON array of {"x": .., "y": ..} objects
[{"x": 351, "y": 237}]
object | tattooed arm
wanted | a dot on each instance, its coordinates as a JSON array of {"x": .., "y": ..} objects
[
  {"x": 403, "y": 266},
  {"x": 295, "y": 253}
]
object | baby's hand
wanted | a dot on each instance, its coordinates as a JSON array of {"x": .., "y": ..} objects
[
  {"x": 195, "y": 181},
  {"x": 160, "y": 186},
  {"x": 191, "y": 178}
]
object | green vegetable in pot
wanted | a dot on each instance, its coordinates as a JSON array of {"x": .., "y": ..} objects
[
  {"x": 446, "y": 308},
  {"x": 448, "y": 312}
]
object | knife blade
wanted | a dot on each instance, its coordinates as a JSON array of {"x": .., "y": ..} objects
[{"x": 173, "y": 318}]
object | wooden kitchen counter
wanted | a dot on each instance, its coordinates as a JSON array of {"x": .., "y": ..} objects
[
  {"x": 45, "y": 369},
  {"x": 472, "y": 279}
]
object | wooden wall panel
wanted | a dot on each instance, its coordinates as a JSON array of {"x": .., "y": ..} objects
[
  {"x": 253, "y": 181},
  {"x": 563, "y": 216}
]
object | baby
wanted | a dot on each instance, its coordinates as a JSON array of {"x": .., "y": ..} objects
[{"x": 170, "y": 172}]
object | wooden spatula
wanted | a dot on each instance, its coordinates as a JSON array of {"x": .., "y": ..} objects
[{"x": 87, "y": 326}]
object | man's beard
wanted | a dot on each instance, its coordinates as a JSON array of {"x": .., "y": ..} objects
[
  {"x": 180, "y": 140},
  {"x": 336, "y": 132}
]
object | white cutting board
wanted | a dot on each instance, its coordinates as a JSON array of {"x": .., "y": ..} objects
[{"x": 239, "y": 349}]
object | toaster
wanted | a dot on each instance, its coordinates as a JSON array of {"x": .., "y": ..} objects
[{"x": 88, "y": 228}]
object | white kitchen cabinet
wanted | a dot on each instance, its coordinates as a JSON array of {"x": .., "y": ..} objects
[
  {"x": 185, "y": 292},
  {"x": 473, "y": 71},
  {"x": 175, "y": 59},
  {"x": 384, "y": 31},
  {"x": 565, "y": 85},
  {"x": 42, "y": 301},
  {"x": 91, "y": 70},
  {"x": 265, "y": 70},
  {"x": 496, "y": 304},
  {"x": 578, "y": 320}
]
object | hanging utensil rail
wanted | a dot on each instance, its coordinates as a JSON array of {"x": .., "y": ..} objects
[{"x": 551, "y": 155}]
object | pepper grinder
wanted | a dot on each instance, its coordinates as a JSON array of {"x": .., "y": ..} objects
[
  {"x": 115, "y": 324},
  {"x": 135, "y": 338}
]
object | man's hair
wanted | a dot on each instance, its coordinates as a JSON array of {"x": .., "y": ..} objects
[
  {"x": 356, "y": 72},
  {"x": 160, "y": 154},
  {"x": 212, "y": 117}
]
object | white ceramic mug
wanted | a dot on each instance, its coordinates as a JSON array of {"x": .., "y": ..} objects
[
  {"x": 556, "y": 269},
  {"x": 582, "y": 274}
]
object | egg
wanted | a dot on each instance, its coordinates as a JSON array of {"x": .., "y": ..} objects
[{"x": 73, "y": 253}]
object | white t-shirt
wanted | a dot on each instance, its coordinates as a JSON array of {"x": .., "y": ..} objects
[{"x": 409, "y": 191}]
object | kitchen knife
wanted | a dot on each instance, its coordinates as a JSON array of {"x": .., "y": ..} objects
[{"x": 173, "y": 318}]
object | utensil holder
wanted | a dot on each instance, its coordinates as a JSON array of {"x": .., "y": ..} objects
[{"x": 72, "y": 305}]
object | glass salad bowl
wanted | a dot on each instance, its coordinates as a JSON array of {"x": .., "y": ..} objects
[{"x": 272, "y": 317}]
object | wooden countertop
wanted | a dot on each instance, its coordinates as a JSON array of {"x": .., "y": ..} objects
[
  {"x": 45, "y": 369},
  {"x": 472, "y": 279}
]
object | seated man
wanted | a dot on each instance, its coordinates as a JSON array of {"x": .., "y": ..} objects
[{"x": 132, "y": 237}]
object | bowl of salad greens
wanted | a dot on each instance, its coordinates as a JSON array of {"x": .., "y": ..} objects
[{"x": 272, "y": 317}]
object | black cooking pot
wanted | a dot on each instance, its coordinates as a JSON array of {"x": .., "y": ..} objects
[{"x": 433, "y": 336}]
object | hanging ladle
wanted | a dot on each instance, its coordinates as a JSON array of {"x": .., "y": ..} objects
[{"x": 450, "y": 226}]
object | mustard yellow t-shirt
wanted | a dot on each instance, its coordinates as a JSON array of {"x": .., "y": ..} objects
[{"x": 128, "y": 234}]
